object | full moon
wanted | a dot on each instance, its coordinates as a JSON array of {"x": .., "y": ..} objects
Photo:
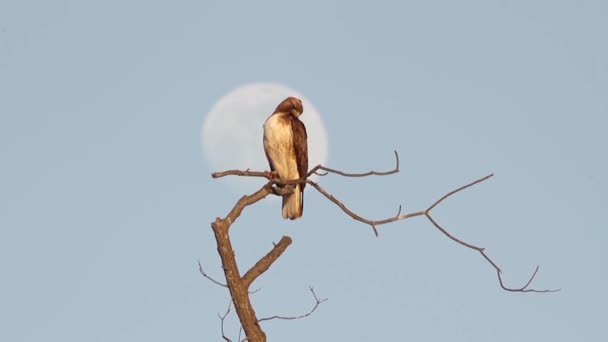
[{"x": 232, "y": 133}]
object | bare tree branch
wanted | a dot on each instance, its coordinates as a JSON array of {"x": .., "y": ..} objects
[
  {"x": 238, "y": 292},
  {"x": 222, "y": 318},
  {"x": 239, "y": 286},
  {"x": 202, "y": 272},
  {"x": 398, "y": 217},
  {"x": 248, "y": 200},
  {"x": 372, "y": 223},
  {"x": 246, "y": 173},
  {"x": 481, "y": 250},
  {"x": 427, "y": 213},
  {"x": 318, "y": 301},
  {"x": 265, "y": 262},
  {"x": 346, "y": 174},
  {"x": 314, "y": 170}
]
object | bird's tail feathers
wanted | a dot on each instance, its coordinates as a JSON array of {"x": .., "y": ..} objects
[{"x": 293, "y": 204}]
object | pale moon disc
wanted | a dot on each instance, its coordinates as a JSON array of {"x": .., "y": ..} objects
[{"x": 232, "y": 132}]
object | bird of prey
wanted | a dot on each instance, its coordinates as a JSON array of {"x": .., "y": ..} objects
[{"x": 286, "y": 148}]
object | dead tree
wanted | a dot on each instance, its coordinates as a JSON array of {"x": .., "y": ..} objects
[{"x": 239, "y": 285}]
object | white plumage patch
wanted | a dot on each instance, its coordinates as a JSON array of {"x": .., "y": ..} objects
[{"x": 278, "y": 144}]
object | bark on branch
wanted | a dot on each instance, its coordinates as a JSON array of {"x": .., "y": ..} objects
[
  {"x": 263, "y": 264},
  {"x": 239, "y": 290}
]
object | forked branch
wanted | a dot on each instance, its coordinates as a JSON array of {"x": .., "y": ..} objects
[
  {"x": 222, "y": 319},
  {"x": 239, "y": 285},
  {"x": 398, "y": 217}
]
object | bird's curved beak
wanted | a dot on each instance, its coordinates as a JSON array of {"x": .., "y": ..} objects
[{"x": 295, "y": 112}]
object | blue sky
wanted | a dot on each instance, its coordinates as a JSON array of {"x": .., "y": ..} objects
[{"x": 106, "y": 199}]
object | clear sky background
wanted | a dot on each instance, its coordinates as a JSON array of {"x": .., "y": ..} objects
[{"x": 106, "y": 198}]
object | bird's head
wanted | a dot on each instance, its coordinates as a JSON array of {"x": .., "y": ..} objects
[{"x": 290, "y": 105}]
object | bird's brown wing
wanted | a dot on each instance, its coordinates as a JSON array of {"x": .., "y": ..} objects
[{"x": 300, "y": 146}]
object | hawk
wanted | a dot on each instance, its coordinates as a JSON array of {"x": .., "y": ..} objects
[{"x": 286, "y": 148}]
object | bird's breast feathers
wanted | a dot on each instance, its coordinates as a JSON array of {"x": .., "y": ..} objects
[{"x": 278, "y": 144}]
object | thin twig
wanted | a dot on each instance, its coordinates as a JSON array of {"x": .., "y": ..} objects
[
  {"x": 481, "y": 250},
  {"x": 204, "y": 274},
  {"x": 372, "y": 223},
  {"x": 348, "y": 174},
  {"x": 458, "y": 190},
  {"x": 318, "y": 301},
  {"x": 222, "y": 318}
]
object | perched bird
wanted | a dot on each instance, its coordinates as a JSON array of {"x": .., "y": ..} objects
[{"x": 286, "y": 148}]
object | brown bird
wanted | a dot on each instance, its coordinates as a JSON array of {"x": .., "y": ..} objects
[{"x": 286, "y": 148}]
